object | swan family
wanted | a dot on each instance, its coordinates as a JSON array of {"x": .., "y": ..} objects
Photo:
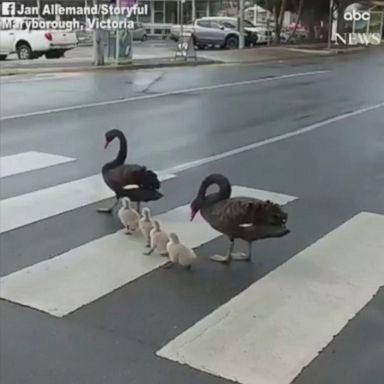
[{"x": 244, "y": 218}]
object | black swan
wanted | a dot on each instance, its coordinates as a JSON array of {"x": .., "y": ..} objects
[
  {"x": 118, "y": 176},
  {"x": 243, "y": 218}
]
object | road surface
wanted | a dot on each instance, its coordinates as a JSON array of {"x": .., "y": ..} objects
[{"x": 81, "y": 303}]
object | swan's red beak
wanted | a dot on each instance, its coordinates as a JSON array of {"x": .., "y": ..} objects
[
  {"x": 193, "y": 214},
  {"x": 106, "y": 144}
]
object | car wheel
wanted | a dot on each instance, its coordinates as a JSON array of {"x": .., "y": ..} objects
[
  {"x": 3, "y": 57},
  {"x": 24, "y": 52},
  {"x": 144, "y": 38},
  {"x": 232, "y": 42}
]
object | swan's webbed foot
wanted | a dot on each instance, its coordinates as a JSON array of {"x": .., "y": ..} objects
[
  {"x": 168, "y": 265},
  {"x": 109, "y": 210},
  {"x": 227, "y": 258},
  {"x": 149, "y": 252},
  {"x": 105, "y": 210},
  {"x": 128, "y": 231},
  {"x": 221, "y": 259},
  {"x": 240, "y": 256}
]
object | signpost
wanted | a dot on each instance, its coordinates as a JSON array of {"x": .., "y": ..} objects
[
  {"x": 123, "y": 38},
  {"x": 185, "y": 46}
]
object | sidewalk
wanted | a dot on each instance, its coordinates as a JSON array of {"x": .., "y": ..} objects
[{"x": 79, "y": 59}]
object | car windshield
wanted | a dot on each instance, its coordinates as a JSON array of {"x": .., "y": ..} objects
[{"x": 233, "y": 25}]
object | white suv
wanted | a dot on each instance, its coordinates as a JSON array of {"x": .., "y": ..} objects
[{"x": 16, "y": 36}]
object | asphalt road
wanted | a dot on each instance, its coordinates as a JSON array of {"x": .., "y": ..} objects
[{"x": 317, "y": 132}]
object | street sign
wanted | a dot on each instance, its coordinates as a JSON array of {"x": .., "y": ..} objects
[{"x": 185, "y": 47}]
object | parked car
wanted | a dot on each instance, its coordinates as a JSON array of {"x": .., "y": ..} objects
[
  {"x": 211, "y": 31},
  {"x": 295, "y": 38},
  {"x": 17, "y": 37},
  {"x": 139, "y": 32}
]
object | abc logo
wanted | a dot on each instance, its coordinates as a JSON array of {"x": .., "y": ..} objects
[{"x": 357, "y": 16}]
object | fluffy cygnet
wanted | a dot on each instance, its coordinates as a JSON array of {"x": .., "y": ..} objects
[
  {"x": 146, "y": 226},
  {"x": 128, "y": 216},
  {"x": 159, "y": 240},
  {"x": 178, "y": 253}
]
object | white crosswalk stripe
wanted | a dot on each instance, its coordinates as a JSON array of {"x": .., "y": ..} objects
[
  {"x": 29, "y": 161},
  {"x": 21, "y": 210},
  {"x": 265, "y": 335},
  {"x": 273, "y": 329},
  {"x": 63, "y": 284}
]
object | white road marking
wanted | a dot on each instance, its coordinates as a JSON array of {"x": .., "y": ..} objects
[
  {"x": 276, "y": 327},
  {"x": 158, "y": 95},
  {"x": 29, "y": 161},
  {"x": 67, "y": 282},
  {"x": 25, "y": 209},
  {"x": 13, "y": 213},
  {"x": 275, "y": 139}
]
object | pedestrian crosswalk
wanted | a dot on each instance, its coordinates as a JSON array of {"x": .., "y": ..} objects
[
  {"x": 29, "y": 161},
  {"x": 67, "y": 282},
  {"x": 277, "y": 326},
  {"x": 31, "y": 207},
  {"x": 266, "y": 335}
]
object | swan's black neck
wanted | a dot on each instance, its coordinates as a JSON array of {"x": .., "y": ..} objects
[
  {"x": 224, "y": 189},
  {"x": 121, "y": 156}
]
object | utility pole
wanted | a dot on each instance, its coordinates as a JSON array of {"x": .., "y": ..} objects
[
  {"x": 117, "y": 36},
  {"x": 98, "y": 43},
  {"x": 181, "y": 19},
  {"x": 330, "y": 24},
  {"x": 241, "y": 23}
]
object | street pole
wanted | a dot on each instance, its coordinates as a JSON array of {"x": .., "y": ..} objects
[
  {"x": 241, "y": 23},
  {"x": 98, "y": 43},
  {"x": 181, "y": 18},
  {"x": 330, "y": 24},
  {"x": 117, "y": 36}
]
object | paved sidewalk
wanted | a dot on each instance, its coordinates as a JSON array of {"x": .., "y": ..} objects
[{"x": 163, "y": 55}]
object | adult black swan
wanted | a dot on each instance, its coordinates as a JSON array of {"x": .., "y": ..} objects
[
  {"x": 243, "y": 218},
  {"x": 128, "y": 180}
]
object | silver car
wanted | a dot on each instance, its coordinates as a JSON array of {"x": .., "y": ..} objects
[{"x": 139, "y": 32}]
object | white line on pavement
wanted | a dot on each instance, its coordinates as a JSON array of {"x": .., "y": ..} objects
[
  {"x": 13, "y": 210},
  {"x": 275, "y": 139},
  {"x": 272, "y": 330},
  {"x": 158, "y": 95},
  {"x": 76, "y": 278},
  {"x": 25, "y": 209},
  {"x": 29, "y": 161}
]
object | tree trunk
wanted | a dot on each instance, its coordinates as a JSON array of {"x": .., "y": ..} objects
[
  {"x": 299, "y": 13},
  {"x": 279, "y": 19},
  {"x": 98, "y": 44}
]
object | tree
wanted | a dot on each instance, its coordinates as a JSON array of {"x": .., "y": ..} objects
[
  {"x": 299, "y": 11},
  {"x": 98, "y": 43}
]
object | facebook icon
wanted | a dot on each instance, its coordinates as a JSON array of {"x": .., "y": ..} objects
[{"x": 8, "y": 9}]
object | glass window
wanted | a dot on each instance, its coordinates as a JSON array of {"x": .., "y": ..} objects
[
  {"x": 204, "y": 23},
  {"x": 227, "y": 24},
  {"x": 215, "y": 25}
]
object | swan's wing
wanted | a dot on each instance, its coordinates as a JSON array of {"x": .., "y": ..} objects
[
  {"x": 243, "y": 211},
  {"x": 124, "y": 175}
]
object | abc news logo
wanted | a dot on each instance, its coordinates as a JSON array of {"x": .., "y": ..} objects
[{"x": 357, "y": 16}]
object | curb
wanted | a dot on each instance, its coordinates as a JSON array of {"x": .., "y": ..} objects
[{"x": 108, "y": 67}]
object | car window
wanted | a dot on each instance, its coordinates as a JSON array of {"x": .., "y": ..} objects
[
  {"x": 215, "y": 25},
  {"x": 204, "y": 23},
  {"x": 227, "y": 24}
]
